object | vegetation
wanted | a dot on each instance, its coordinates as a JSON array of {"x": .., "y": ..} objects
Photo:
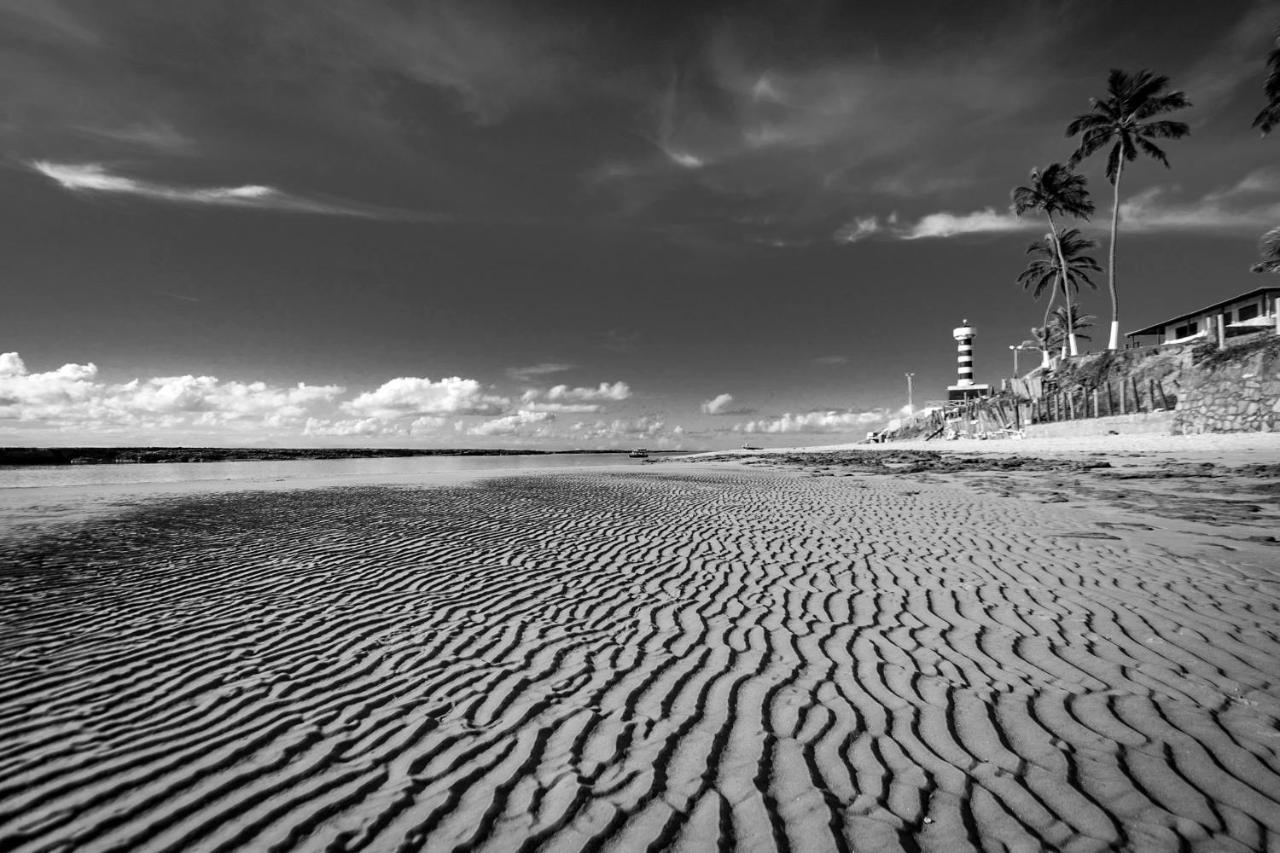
[
  {"x": 1270, "y": 115},
  {"x": 1269, "y": 247},
  {"x": 1056, "y": 190},
  {"x": 1059, "y": 261},
  {"x": 1068, "y": 323},
  {"x": 1127, "y": 121}
]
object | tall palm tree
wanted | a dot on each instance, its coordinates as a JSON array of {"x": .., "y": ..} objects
[
  {"x": 1270, "y": 249},
  {"x": 1055, "y": 190},
  {"x": 1059, "y": 262},
  {"x": 1127, "y": 118},
  {"x": 1270, "y": 115},
  {"x": 1068, "y": 322}
]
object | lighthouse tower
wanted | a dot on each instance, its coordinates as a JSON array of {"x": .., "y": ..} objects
[{"x": 965, "y": 388}]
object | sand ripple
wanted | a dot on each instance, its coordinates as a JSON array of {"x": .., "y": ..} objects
[{"x": 736, "y": 661}]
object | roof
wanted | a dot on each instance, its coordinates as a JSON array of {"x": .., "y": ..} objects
[{"x": 1208, "y": 309}]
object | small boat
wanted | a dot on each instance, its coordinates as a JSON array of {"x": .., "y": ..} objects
[
  {"x": 752, "y": 447},
  {"x": 639, "y": 453}
]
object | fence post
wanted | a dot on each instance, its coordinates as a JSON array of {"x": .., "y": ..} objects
[
  {"x": 1137, "y": 395},
  {"x": 1095, "y": 402},
  {"x": 1122, "y": 406},
  {"x": 1071, "y": 406}
]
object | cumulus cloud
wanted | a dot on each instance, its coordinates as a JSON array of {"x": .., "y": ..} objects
[
  {"x": 510, "y": 424},
  {"x": 411, "y": 395},
  {"x": 94, "y": 178},
  {"x": 562, "y": 398},
  {"x": 605, "y": 391},
  {"x": 73, "y": 396},
  {"x": 722, "y": 404},
  {"x": 815, "y": 422}
]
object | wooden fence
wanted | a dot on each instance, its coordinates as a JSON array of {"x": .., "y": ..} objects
[{"x": 1118, "y": 397}]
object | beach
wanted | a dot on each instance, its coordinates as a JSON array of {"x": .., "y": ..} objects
[{"x": 1079, "y": 651}]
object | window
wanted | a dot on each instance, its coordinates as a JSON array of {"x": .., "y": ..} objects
[
  {"x": 1186, "y": 331},
  {"x": 1248, "y": 312}
]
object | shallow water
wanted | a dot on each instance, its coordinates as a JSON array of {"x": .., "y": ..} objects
[{"x": 192, "y": 472}]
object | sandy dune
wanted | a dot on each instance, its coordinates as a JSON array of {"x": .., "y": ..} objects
[{"x": 679, "y": 658}]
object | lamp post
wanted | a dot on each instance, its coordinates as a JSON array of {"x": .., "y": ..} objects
[
  {"x": 1014, "y": 349},
  {"x": 911, "y": 409}
]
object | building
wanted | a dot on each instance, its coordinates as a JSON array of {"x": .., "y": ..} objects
[
  {"x": 965, "y": 388},
  {"x": 1249, "y": 314}
]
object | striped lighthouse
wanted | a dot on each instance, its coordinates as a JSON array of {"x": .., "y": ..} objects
[
  {"x": 965, "y": 388},
  {"x": 964, "y": 353}
]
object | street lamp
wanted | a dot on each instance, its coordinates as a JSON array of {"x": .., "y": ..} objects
[
  {"x": 1014, "y": 348},
  {"x": 911, "y": 409}
]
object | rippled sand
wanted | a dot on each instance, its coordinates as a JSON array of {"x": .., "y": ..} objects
[{"x": 663, "y": 659}]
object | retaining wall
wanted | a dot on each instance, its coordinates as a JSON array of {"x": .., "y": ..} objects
[{"x": 1237, "y": 392}]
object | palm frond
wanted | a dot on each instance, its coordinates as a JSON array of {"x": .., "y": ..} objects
[
  {"x": 1269, "y": 117},
  {"x": 1269, "y": 248},
  {"x": 1163, "y": 129},
  {"x": 1152, "y": 151}
]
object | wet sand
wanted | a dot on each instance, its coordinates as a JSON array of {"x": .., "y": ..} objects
[{"x": 689, "y": 657}]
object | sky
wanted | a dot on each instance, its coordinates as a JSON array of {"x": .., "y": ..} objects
[{"x": 582, "y": 224}]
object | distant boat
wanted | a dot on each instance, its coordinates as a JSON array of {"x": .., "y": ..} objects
[
  {"x": 751, "y": 447},
  {"x": 639, "y": 453}
]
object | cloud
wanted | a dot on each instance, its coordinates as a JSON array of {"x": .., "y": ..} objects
[
  {"x": 816, "y": 422},
  {"x": 831, "y": 360},
  {"x": 408, "y": 395},
  {"x": 722, "y": 404},
  {"x": 645, "y": 426},
  {"x": 563, "y": 399},
  {"x": 94, "y": 178},
  {"x": 1251, "y": 204},
  {"x": 155, "y": 135},
  {"x": 531, "y": 371},
  {"x": 605, "y": 391},
  {"x": 858, "y": 229},
  {"x": 564, "y": 408},
  {"x": 985, "y": 221},
  {"x": 510, "y": 424},
  {"x": 73, "y": 397}
]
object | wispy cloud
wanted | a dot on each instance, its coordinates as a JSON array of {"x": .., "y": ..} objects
[
  {"x": 94, "y": 178},
  {"x": 532, "y": 371},
  {"x": 1251, "y": 204},
  {"x": 155, "y": 135}
]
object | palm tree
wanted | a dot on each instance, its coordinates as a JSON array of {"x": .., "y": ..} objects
[
  {"x": 1066, "y": 323},
  {"x": 1126, "y": 117},
  {"x": 1270, "y": 249},
  {"x": 1059, "y": 262},
  {"x": 1270, "y": 115},
  {"x": 1055, "y": 190}
]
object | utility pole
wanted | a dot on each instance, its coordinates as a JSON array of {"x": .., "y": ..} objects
[{"x": 911, "y": 409}]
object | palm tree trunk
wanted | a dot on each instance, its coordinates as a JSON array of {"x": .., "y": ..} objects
[
  {"x": 1070, "y": 331},
  {"x": 1114, "y": 343},
  {"x": 1044, "y": 328}
]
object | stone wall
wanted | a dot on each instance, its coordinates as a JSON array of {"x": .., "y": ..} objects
[
  {"x": 1237, "y": 390},
  {"x": 1145, "y": 423}
]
